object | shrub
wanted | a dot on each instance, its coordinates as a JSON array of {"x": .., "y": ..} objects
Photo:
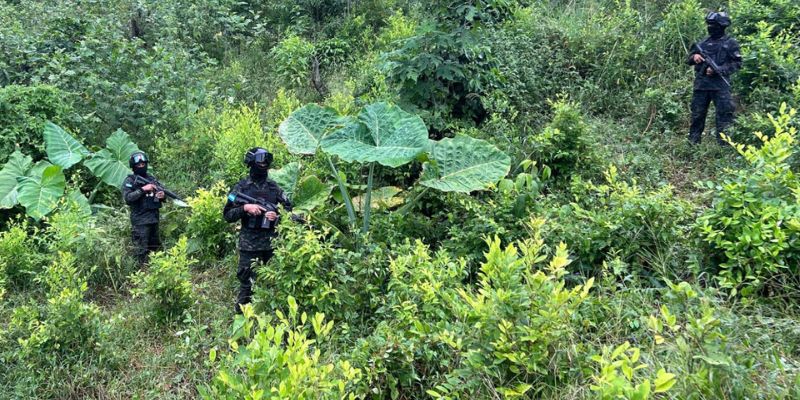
[
  {"x": 398, "y": 27},
  {"x": 753, "y": 225},
  {"x": 183, "y": 158},
  {"x": 279, "y": 359},
  {"x": 717, "y": 353},
  {"x": 771, "y": 64},
  {"x": 240, "y": 130},
  {"x": 403, "y": 352},
  {"x": 23, "y": 113},
  {"x": 783, "y": 14},
  {"x": 646, "y": 228},
  {"x": 469, "y": 223},
  {"x": 66, "y": 328},
  {"x": 563, "y": 145},
  {"x": 61, "y": 344},
  {"x": 534, "y": 64},
  {"x": 19, "y": 255},
  {"x": 279, "y": 109},
  {"x": 620, "y": 375},
  {"x": 292, "y": 61},
  {"x": 447, "y": 67},
  {"x": 454, "y": 341},
  {"x": 96, "y": 240},
  {"x": 310, "y": 266},
  {"x": 516, "y": 318},
  {"x": 166, "y": 286},
  {"x": 3, "y": 278},
  {"x": 209, "y": 235}
]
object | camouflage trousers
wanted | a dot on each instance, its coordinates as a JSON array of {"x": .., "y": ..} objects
[
  {"x": 246, "y": 273},
  {"x": 723, "y": 103},
  {"x": 145, "y": 240}
]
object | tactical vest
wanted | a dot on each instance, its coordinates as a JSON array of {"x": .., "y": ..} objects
[{"x": 268, "y": 191}]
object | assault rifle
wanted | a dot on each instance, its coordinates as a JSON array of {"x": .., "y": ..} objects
[
  {"x": 241, "y": 199},
  {"x": 175, "y": 198},
  {"x": 710, "y": 63}
]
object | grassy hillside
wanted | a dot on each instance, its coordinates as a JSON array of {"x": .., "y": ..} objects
[{"x": 586, "y": 250}]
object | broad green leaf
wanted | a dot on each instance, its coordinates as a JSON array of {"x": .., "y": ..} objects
[
  {"x": 464, "y": 164},
  {"x": 642, "y": 391},
  {"x": 385, "y": 197},
  {"x": 619, "y": 350},
  {"x": 80, "y": 202},
  {"x": 310, "y": 193},
  {"x": 111, "y": 163},
  {"x": 383, "y": 133},
  {"x": 306, "y": 126},
  {"x": 16, "y": 166},
  {"x": 664, "y": 381},
  {"x": 62, "y": 149},
  {"x": 287, "y": 178},
  {"x": 40, "y": 191}
]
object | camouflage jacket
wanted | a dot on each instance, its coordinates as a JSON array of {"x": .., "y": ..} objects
[
  {"x": 252, "y": 237},
  {"x": 144, "y": 206},
  {"x": 726, "y": 54}
]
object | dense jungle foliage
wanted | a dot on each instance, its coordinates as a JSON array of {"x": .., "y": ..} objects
[{"x": 551, "y": 234}]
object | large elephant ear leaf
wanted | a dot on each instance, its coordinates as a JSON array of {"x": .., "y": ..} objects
[
  {"x": 306, "y": 193},
  {"x": 16, "y": 166},
  {"x": 464, "y": 164},
  {"x": 62, "y": 149},
  {"x": 287, "y": 177},
  {"x": 306, "y": 126},
  {"x": 40, "y": 191},
  {"x": 310, "y": 193},
  {"x": 383, "y": 133},
  {"x": 111, "y": 163}
]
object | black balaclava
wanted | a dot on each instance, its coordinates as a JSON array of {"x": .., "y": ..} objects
[
  {"x": 258, "y": 172},
  {"x": 715, "y": 30},
  {"x": 140, "y": 171}
]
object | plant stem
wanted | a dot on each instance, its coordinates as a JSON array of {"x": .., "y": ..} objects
[
  {"x": 368, "y": 200},
  {"x": 404, "y": 209},
  {"x": 94, "y": 192},
  {"x": 348, "y": 203}
]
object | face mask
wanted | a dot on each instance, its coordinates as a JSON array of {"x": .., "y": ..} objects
[
  {"x": 715, "y": 31},
  {"x": 140, "y": 171},
  {"x": 258, "y": 172}
]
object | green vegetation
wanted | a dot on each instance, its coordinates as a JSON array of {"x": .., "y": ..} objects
[{"x": 499, "y": 201}]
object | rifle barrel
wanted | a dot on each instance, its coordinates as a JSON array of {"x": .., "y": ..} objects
[{"x": 160, "y": 187}]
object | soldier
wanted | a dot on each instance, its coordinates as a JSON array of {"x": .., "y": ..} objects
[
  {"x": 254, "y": 239},
  {"x": 144, "y": 200},
  {"x": 721, "y": 52}
]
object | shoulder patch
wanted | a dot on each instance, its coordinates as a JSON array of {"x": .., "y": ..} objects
[{"x": 128, "y": 185}]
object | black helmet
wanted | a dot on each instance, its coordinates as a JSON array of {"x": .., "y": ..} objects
[
  {"x": 137, "y": 157},
  {"x": 258, "y": 155},
  {"x": 720, "y": 18}
]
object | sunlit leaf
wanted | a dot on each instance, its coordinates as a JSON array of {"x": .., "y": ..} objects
[
  {"x": 111, "y": 163},
  {"x": 16, "y": 166},
  {"x": 40, "y": 191},
  {"x": 383, "y": 133},
  {"x": 464, "y": 164},
  {"x": 62, "y": 148}
]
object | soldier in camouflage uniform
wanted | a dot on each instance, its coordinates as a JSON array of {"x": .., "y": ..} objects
[
  {"x": 709, "y": 85},
  {"x": 145, "y": 201},
  {"x": 254, "y": 241}
]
